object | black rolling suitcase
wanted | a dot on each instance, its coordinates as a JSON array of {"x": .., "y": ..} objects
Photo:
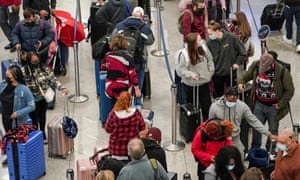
[
  {"x": 190, "y": 117},
  {"x": 272, "y": 15}
]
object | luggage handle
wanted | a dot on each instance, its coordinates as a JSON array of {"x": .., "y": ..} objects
[
  {"x": 66, "y": 106},
  {"x": 279, "y": 9},
  {"x": 231, "y": 82},
  {"x": 196, "y": 96}
]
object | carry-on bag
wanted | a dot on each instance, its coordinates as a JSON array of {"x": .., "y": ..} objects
[
  {"x": 99, "y": 152},
  {"x": 86, "y": 169},
  {"x": 104, "y": 100},
  {"x": 27, "y": 160},
  {"x": 146, "y": 90},
  {"x": 190, "y": 117},
  {"x": 6, "y": 63},
  {"x": 273, "y": 16},
  {"x": 59, "y": 145}
]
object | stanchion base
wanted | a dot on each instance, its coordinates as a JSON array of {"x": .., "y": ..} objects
[
  {"x": 178, "y": 146},
  {"x": 78, "y": 99},
  {"x": 155, "y": 9},
  {"x": 158, "y": 53}
]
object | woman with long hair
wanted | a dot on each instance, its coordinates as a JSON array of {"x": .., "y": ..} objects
[
  {"x": 16, "y": 100},
  {"x": 228, "y": 165},
  {"x": 123, "y": 124},
  {"x": 121, "y": 74},
  {"x": 196, "y": 68}
]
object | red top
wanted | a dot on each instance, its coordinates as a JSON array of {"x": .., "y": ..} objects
[
  {"x": 204, "y": 152},
  {"x": 122, "y": 128},
  {"x": 198, "y": 24},
  {"x": 10, "y": 2}
]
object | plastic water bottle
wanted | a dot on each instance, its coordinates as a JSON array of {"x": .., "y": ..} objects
[{"x": 29, "y": 121}]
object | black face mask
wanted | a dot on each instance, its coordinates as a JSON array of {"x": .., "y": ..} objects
[
  {"x": 234, "y": 22},
  {"x": 34, "y": 66},
  {"x": 8, "y": 81},
  {"x": 199, "y": 11},
  {"x": 30, "y": 23}
]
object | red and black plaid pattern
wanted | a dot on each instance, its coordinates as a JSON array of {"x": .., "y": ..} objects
[{"x": 122, "y": 130}]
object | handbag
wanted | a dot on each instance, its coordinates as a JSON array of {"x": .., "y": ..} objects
[{"x": 48, "y": 95}]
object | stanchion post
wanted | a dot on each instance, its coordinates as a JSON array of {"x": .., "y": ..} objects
[
  {"x": 238, "y": 5},
  {"x": 77, "y": 98},
  {"x": 174, "y": 145},
  {"x": 158, "y": 52}
]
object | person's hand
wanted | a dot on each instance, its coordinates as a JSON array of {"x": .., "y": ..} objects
[
  {"x": 44, "y": 13},
  {"x": 212, "y": 158},
  {"x": 143, "y": 133},
  {"x": 272, "y": 175},
  {"x": 65, "y": 91},
  {"x": 276, "y": 106},
  {"x": 53, "y": 12},
  {"x": 15, "y": 8},
  {"x": 137, "y": 91},
  {"x": 272, "y": 137},
  {"x": 235, "y": 66},
  {"x": 38, "y": 44},
  {"x": 14, "y": 115},
  {"x": 241, "y": 87},
  {"x": 18, "y": 46},
  {"x": 195, "y": 76},
  {"x": 224, "y": 9}
]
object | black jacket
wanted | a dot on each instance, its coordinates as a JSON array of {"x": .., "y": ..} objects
[
  {"x": 38, "y": 5},
  {"x": 154, "y": 150}
]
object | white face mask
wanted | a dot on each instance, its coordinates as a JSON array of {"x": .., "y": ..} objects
[
  {"x": 230, "y": 167},
  {"x": 230, "y": 104},
  {"x": 281, "y": 147}
]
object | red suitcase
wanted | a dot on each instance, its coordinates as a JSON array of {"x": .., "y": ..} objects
[
  {"x": 59, "y": 145},
  {"x": 86, "y": 169}
]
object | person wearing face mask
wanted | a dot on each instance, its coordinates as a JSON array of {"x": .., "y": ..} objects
[
  {"x": 39, "y": 78},
  {"x": 228, "y": 52},
  {"x": 231, "y": 108},
  {"x": 33, "y": 34},
  {"x": 196, "y": 68},
  {"x": 287, "y": 162},
  {"x": 228, "y": 165},
  {"x": 272, "y": 90},
  {"x": 16, "y": 100},
  {"x": 197, "y": 23}
]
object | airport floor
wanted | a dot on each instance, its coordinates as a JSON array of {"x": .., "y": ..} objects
[{"x": 86, "y": 114}]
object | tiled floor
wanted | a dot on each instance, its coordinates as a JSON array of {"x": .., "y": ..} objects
[{"x": 87, "y": 113}]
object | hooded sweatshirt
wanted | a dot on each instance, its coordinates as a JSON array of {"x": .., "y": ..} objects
[{"x": 235, "y": 115}]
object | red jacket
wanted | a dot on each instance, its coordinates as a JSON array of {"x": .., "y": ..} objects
[
  {"x": 204, "y": 152},
  {"x": 10, "y": 2},
  {"x": 198, "y": 24}
]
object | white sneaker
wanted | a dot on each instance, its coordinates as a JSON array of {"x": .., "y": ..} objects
[
  {"x": 286, "y": 40},
  {"x": 298, "y": 48}
]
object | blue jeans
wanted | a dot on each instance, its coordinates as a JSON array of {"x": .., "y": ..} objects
[
  {"x": 263, "y": 113},
  {"x": 289, "y": 13},
  {"x": 140, "y": 73},
  {"x": 8, "y": 21}
]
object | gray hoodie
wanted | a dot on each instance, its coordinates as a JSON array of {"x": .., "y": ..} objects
[
  {"x": 204, "y": 68},
  {"x": 240, "y": 111}
]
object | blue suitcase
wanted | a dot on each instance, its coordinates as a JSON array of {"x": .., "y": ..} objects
[
  {"x": 26, "y": 161},
  {"x": 104, "y": 100},
  {"x": 5, "y": 64}
]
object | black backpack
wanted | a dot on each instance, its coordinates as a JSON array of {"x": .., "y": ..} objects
[{"x": 134, "y": 38}]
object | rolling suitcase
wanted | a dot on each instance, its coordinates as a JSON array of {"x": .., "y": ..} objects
[
  {"x": 86, "y": 169},
  {"x": 272, "y": 15},
  {"x": 27, "y": 160},
  {"x": 146, "y": 90},
  {"x": 104, "y": 100},
  {"x": 59, "y": 145},
  {"x": 190, "y": 117}
]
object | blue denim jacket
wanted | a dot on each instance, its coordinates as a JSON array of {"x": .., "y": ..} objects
[{"x": 23, "y": 102}]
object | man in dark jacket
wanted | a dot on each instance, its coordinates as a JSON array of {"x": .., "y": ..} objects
[
  {"x": 41, "y": 7},
  {"x": 9, "y": 13},
  {"x": 152, "y": 146},
  {"x": 33, "y": 34},
  {"x": 228, "y": 52},
  {"x": 272, "y": 90},
  {"x": 147, "y": 38}
]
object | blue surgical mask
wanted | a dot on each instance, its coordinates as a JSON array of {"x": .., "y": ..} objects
[
  {"x": 212, "y": 37},
  {"x": 281, "y": 147},
  {"x": 230, "y": 104},
  {"x": 230, "y": 167}
]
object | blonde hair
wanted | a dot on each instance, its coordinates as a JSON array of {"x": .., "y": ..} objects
[
  {"x": 253, "y": 174},
  {"x": 105, "y": 175}
]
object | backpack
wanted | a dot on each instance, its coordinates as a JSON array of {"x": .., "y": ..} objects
[
  {"x": 133, "y": 36},
  {"x": 180, "y": 20},
  {"x": 100, "y": 48},
  {"x": 154, "y": 166}
]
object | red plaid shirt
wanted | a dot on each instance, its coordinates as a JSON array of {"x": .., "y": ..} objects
[{"x": 122, "y": 130}]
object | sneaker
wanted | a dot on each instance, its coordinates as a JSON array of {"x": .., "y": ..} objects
[
  {"x": 13, "y": 49},
  {"x": 4, "y": 163},
  {"x": 8, "y": 46},
  {"x": 286, "y": 40},
  {"x": 272, "y": 157},
  {"x": 298, "y": 48}
]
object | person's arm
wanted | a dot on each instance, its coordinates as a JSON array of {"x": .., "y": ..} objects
[
  {"x": 139, "y": 118},
  {"x": 16, "y": 33},
  {"x": 109, "y": 125},
  {"x": 240, "y": 51},
  {"x": 186, "y": 23},
  {"x": 288, "y": 89},
  {"x": 253, "y": 121},
  {"x": 182, "y": 68},
  {"x": 48, "y": 34},
  {"x": 101, "y": 17},
  {"x": 247, "y": 75},
  {"x": 30, "y": 104},
  {"x": 198, "y": 151}
]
